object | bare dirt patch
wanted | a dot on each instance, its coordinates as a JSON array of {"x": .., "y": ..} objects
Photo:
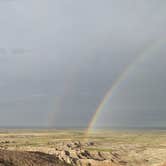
[{"x": 15, "y": 158}]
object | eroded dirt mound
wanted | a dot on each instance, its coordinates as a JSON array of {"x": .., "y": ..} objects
[
  {"x": 77, "y": 154},
  {"x": 15, "y": 158}
]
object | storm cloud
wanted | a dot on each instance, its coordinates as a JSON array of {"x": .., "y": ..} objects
[{"x": 58, "y": 58}]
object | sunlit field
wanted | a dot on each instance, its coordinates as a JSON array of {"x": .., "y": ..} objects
[{"x": 131, "y": 148}]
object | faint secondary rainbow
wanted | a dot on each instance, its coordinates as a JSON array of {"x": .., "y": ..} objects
[
  {"x": 71, "y": 80},
  {"x": 141, "y": 57}
]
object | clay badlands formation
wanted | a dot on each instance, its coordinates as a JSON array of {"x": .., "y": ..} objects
[{"x": 72, "y": 147}]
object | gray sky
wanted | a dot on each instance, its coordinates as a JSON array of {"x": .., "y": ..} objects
[{"x": 58, "y": 58}]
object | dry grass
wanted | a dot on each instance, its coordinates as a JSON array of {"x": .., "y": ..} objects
[{"x": 135, "y": 147}]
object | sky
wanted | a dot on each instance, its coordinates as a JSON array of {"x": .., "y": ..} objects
[{"x": 58, "y": 58}]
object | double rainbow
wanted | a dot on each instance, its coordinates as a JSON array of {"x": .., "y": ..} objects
[{"x": 145, "y": 53}]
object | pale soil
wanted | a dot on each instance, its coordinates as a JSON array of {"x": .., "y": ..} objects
[{"x": 135, "y": 148}]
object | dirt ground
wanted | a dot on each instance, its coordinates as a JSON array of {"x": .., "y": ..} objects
[
  {"x": 134, "y": 148},
  {"x": 16, "y": 158}
]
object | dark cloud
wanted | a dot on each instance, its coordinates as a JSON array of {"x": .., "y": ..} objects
[{"x": 61, "y": 57}]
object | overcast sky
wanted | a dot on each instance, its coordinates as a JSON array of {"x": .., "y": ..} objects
[{"x": 58, "y": 58}]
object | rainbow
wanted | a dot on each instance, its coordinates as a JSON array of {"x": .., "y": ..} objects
[{"x": 145, "y": 53}]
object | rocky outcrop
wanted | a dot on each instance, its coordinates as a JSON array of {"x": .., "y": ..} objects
[
  {"x": 75, "y": 153},
  {"x": 72, "y": 153}
]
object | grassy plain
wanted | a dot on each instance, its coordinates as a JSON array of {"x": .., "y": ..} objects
[{"x": 135, "y": 147}]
